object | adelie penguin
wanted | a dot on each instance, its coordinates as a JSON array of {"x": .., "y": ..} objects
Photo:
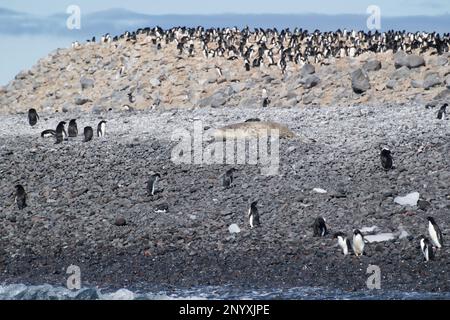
[
  {"x": 152, "y": 184},
  {"x": 227, "y": 178},
  {"x": 21, "y": 197},
  {"x": 386, "y": 159},
  {"x": 435, "y": 233},
  {"x": 101, "y": 129},
  {"x": 88, "y": 134},
  {"x": 253, "y": 215},
  {"x": 343, "y": 242},
  {"x": 33, "y": 117},
  {"x": 320, "y": 227},
  {"x": 73, "y": 129},
  {"x": 442, "y": 112},
  {"x": 48, "y": 133},
  {"x": 60, "y": 132},
  {"x": 426, "y": 248},
  {"x": 358, "y": 243}
]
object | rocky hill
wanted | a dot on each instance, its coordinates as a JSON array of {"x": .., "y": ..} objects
[{"x": 99, "y": 76}]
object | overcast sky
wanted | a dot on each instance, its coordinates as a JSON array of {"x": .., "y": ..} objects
[{"x": 388, "y": 7}]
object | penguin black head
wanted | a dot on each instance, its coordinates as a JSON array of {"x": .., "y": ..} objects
[
  {"x": 339, "y": 234},
  {"x": 357, "y": 232},
  {"x": 431, "y": 219},
  {"x": 254, "y": 204},
  {"x": 72, "y": 122},
  {"x": 19, "y": 188}
]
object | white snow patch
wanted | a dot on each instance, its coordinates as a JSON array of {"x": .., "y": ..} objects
[
  {"x": 381, "y": 237},
  {"x": 408, "y": 200},
  {"x": 370, "y": 230},
  {"x": 319, "y": 190},
  {"x": 234, "y": 228},
  {"x": 122, "y": 294}
]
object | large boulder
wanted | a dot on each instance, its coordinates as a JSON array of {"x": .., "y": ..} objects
[
  {"x": 412, "y": 61},
  {"x": 372, "y": 65},
  {"x": 431, "y": 80},
  {"x": 360, "y": 81},
  {"x": 311, "y": 81},
  {"x": 307, "y": 70},
  {"x": 252, "y": 129},
  {"x": 86, "y": 83},
  {"x": 401, "y": 73},
  {"x": 447, "y": 81}
]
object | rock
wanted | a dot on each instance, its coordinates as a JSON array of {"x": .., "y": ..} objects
[
  {"x": 415, "y": 61},
  {"x": 416, "y": 84},
  {"x": 441, "y": 61},
  {"x": 155, "y": 82},
  {"x": 308, "y": 98},
  {"x": 423, "y": 205},
  {"x": 311, "y": 81},
  {"x": 372, "y": 65},
  {"x": 381, "y": 237},
  {"x": 391, "y": 84},
  {"x": 307, "y": 69},
  {"x": 401, "y": 73},
  {"x": 360, "y": 81},
  {"x": 22, "y": 75},
  {"x": 412, "y": 61},
  {"x": 86, "y": 83},
  {"x": 431, "y": 80},
  {"x": 120, "y": 221},
  {"x": 408, "y": 200},
  {"x": 369, "y": 230},
  {"x": 218, "y": 100},
  {"x": 447, "y": 82},
  {"x": 79, "y": 101},
  {"x": 444, "y": 94},
  {"x": 234, "y": 228}
]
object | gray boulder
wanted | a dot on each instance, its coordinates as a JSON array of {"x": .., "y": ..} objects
[
  {"x": 372, "y": 65},
  {"x": 86, "y": 83},
  {"x": 416, "y": 84},
  {"x": 22, "y": 75},
  {"x": 412, "y": 61},
  {"x": 401, "y": 73},
  {"x": 307, "y": 70},
  {"x": 447, "y": 81},
  {"x": 431, "y": 80},
  {"x": 311, "y": 81},
  {"x": 391, "y": 84},
  {"x": 360, "y": 81},
  {"x": 79, "y": 100}
]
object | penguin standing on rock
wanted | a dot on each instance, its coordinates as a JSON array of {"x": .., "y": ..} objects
[
  {"x": 343, "y": 242},
  {"x": 33, "y": 117},
  {"x": 386, "y": 159},
  {"x": 73, "y": 129},
  {"x": 61, "y": 133},
  {"x": 320, "y": 227},
  {"x": 21, "y": 197},
  {"x": 88, "y": 134},
  {"x": 435, "y": 233},
  {"x": 426, "y": 248},
  {"x": 358, "y": 243},
  {"x": 152, "y": 183},
  {"x": 253, "y": 215},
  {"x": 101, "y": 129}
]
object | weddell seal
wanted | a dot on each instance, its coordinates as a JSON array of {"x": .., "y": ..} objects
[{"x": 252, "y": 129}]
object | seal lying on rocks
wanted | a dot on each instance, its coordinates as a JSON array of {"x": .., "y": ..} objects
[{"x": 252, "y": 129}]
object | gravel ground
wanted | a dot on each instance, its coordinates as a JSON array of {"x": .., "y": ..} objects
[{"x": 77, "y": 190}]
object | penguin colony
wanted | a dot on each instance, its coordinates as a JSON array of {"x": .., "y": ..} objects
[
  {"x": 271, "y": 48},
  {"x": 260, "y": 48}
]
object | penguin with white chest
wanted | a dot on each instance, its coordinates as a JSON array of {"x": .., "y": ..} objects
[
  {"x": 358, "y": 243},
  {"x": 101, "y": 129},
  {"x": 435, "y": 233},
  {"x": 343, "y": 242}
]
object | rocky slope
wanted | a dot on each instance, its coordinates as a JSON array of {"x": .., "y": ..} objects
[
  {"x": 99, "y": 76},
  {"x": 78, "y": 190}
]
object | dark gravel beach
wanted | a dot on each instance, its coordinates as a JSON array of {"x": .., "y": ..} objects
[{"x": 77, "y": 191}]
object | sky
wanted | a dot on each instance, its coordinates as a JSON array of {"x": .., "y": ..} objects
[{"x": 388, "y": 7}]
